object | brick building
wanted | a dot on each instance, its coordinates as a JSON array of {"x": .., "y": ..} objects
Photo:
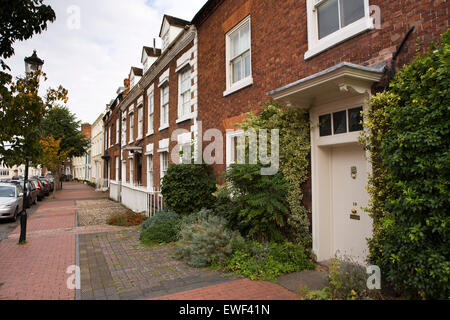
[
  {"x": 327, "y": 56},
  {"x": 162, "y": 99},
  {"x": 111, "y": 144}
]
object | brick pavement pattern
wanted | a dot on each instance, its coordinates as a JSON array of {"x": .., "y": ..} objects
[
  {"x": 113, "y": 263},
  {"x": 244, "y": 289}
]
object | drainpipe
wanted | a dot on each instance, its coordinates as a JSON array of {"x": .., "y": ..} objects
[{"x": 392, "y": 70}]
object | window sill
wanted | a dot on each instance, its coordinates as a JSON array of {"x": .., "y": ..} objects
[
  {"x": 238, "y": 86},
  {"x": 150, "y": 133},
  {"x": 338, "y": 37},
  {"x": 163, "y": 128},
  {"x": 186, "y": 118}
]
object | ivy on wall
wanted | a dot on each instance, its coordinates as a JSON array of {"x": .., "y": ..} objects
[
  {"x": 408, "y": 139},
  {"x": 294, "y": 150}
]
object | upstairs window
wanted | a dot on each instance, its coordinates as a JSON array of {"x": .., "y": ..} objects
[
  {"x": 131, "y": 127},
  {"x": 238, "y": 46},
  {"x": 117, "y": 131},
  {"x": 140, "y": 121},
  {"x": 164, "y": 107},
  {"x": 184, "y": 105},
  {"x": 333, "y": 21},
  {"x": 124, "y": 130},
  {"x": 333, "y": 15},
  {"x": 151, "y": 112}
]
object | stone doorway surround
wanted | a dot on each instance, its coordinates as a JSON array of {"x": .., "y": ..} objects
[{"x": 341, "y": 87}]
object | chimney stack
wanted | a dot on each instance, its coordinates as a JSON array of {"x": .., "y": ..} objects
[
  {"x": 154, "y": 46},
  {"x": 126, "y": 83}
]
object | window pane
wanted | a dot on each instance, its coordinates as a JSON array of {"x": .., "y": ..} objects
[
  {"x": 234, "y": 40},
  {"x": 328, "y": 18},
  {"x": 340, "y": 122},
  {"x": 237, "y": 70},
  {"x": 245, "y": 38},
  {"x": 355, "y": 119},
  {"x": 247, "y": 65},
  {"x": 325, "y": 125},
  {"x": 351, "y": 11}
]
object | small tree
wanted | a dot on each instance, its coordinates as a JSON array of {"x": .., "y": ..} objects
[
  {"x": 62, "y": 125},
  {"x": 52, "y": 156}
]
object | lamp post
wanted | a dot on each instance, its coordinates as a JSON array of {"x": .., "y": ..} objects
[{"x": 32, "y": 64}]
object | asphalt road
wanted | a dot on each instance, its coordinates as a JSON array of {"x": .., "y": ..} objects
[{"x": 7, "y": 226}]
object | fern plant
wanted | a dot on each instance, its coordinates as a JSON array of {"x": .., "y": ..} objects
[{"x": 262, "y": 206}]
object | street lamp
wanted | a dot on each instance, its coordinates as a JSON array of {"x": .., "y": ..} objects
[{"x": 32, "y": 64}]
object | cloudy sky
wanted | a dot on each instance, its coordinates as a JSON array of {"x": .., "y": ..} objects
[{"x": 91, "y": 56}]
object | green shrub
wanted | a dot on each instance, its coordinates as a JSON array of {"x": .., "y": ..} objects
[
  {"x": 294, "y": 153},
  {"x": 262, "y": 208},
  {"x": 126, "y": 219},
  {"x": 158, "y": 218},
  {"x": 408, "y": 138},
  {"x": 205, "y": 238},
  {"x": 164, "y": 232},
  {"x": 187, "y": 188},
  {"x": 267, "y": 261},
  {"x": 163, "y": 227}
]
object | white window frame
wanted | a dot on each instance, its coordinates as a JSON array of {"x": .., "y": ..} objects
[
  {"x": 230, "y": 86},
  {"x": 164, "y": 105},
  {"x": 316, "y": 45},
  {"x": 131, "y": 170},
  {"x": 117, "y": 131},
  {"x": 131, "y": 116},
  {"x": 109, "y": 137},
  {"x": 164, "y": 163},
  {"x": 150, "y": 182},
  {"x": 124, "y": 130},
  {"x": 140, "y": 112},
  {"x": 231, "y": 138},
  {"x": 123, "y": 174},
  {"x": 117, "y": 169},
  {"x": 151, "y": 111},
  {"x": 187, "y": 73}
]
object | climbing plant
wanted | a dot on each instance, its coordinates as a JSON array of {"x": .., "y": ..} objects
[
  {"x": 294, "y": 150},
  {"x": 408, "y": 139}
]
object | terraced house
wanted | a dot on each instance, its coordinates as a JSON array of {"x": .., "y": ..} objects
[
  {"x": 326, "y": 56},
  {"x": 162, "y": 99}
]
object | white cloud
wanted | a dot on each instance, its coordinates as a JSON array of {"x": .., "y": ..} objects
[{"x": 92, "y": 62}]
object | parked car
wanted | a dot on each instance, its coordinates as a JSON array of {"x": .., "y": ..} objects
[
  {"x": 11, "y": 201},
  {"x": 51, "y": 183},
  {"x": 32, "y": 192},
  {"x": 46, "y": 187},
  {"x": 39, "y": 188}
]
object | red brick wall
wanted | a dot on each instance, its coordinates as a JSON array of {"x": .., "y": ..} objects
[
  {"x": 158, "y": 135},
  {"x": 279, "y": 41}
]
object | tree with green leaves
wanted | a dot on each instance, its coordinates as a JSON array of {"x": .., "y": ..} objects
[
  {"x": 22, "y": 112},
  {"x": 62, "y": 125},
  {"x": 19, "y": 21}
]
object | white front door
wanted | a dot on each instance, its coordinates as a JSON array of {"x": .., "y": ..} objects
[{"x": 351, "y": 225}]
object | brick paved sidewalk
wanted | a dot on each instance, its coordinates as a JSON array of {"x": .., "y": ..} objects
[
  {"x": 236, "y": 290},
  {"x": 37, "y": 270},
  {"x": 113, "y": 263}
]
